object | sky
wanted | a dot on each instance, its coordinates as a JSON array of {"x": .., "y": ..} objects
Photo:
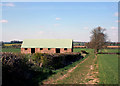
[{"x": 58, "y": 20}]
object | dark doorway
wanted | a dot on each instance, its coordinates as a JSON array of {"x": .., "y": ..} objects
[
  {"x": 32, "y": 50},
  {"x": 57, "y": 50}
]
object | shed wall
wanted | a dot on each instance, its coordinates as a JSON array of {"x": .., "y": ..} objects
[
  {"x": 45, "y": 50},
  {"x": 25, "y": 51}
]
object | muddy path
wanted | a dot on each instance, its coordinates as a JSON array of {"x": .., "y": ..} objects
[
  {"x": 65, "y": 75},
  {"x": 85, "y": 72}
]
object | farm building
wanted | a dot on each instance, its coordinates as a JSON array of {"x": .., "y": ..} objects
[{"x": 46, "y": 46}]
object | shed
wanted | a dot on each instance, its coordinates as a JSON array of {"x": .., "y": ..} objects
[{"x": 46, "y": 46}]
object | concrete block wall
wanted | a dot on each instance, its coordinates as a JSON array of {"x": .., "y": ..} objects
[
  {"x": 45, "y": 50},
  {"x": 26, "y": 51},
  {"x": 65, "y": 51}
]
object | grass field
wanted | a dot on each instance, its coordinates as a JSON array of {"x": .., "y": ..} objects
[
  {"x": 108, "y": 69},
  {"x": 14, "y": 50},
  {"x": 107, "y": 64},
  {"x": 74, "y": 50},
  {"x": 79, "y": 75},
  {"x": 74, "y": 77},
  {"x": 11, "y": 44},
  {"x": 19, "y": 50},
  {"x": 79, "y": 50},
  {"x": 110, "y": 50},
  {"x": 60, "y": 72},
  {"x": 8, "y": 48}
]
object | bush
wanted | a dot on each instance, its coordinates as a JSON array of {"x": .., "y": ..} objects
[
  {"x": 55, "y": 61},
  {"x": 25, "y": 70},
  {"x": 16, "y": 46},
  {"x": 40, "y": 59},
  {"x": 84, "y": 52},
  {"x": 17, "y": 70}
]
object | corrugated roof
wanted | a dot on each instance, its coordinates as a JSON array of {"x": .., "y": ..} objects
[{"x": 47, "y": 43}]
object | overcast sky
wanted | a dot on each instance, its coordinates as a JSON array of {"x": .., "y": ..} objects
[{"x": 58, "y": 20}]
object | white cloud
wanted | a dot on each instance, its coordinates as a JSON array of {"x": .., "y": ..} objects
[
  {"x": 8, "y": 5},
  {"x": 116, "y": 14},
  {"x": 40, "y": 32},
  {"x": 58, "y": 18},
  {"x": 113, "y": 28},
  {"x": 3, "y": 21}
]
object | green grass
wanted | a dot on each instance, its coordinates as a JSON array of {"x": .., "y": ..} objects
[
  {"x": 19, "y": 50},
  {"x": 79, "y": 74},
  {"x": 14, "y": 50},
  {"x": 74, "y": 50},
  {"x": 62, "y": 71},
  {"x": 92, "y": 50},
  {"x": 110, "y": 50},
  {"x": 86, "y": 49},
  {"x": 69, "y": 66},
  {"x": 108, "y": 69}
]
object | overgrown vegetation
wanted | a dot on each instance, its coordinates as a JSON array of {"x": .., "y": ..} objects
[
  {"x": 55, "y": 61},
  {"x": 26, "y": 69},
  {"x": 18, "y": 70}
]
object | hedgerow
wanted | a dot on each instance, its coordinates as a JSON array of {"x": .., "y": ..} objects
[
  {"x": 55, "y": 61},
  {"x": 30, "y": 69},
  {"x": 19, "y": 70}
]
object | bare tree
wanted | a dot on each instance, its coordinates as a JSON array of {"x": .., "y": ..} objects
[{"x": 98, "y": 39}]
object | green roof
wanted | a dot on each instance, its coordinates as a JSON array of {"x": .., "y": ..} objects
[{"x": 47, "y": 43}]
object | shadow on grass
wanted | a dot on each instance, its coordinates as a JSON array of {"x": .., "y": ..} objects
[{"x": 108, "y": 53}]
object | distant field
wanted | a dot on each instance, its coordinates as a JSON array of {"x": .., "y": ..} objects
[
  {"x": 108, "y": 69},
  {"x": 74, "y": 50},
  {"x": 92, "y": 50},
  {"x": 79, "y": 49},
  {"x": 19, "y": 50},
  {"x": 11, "y": 44},
  {"x": 14, "y": 50},
  {"x": 110, "y": 50}
]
